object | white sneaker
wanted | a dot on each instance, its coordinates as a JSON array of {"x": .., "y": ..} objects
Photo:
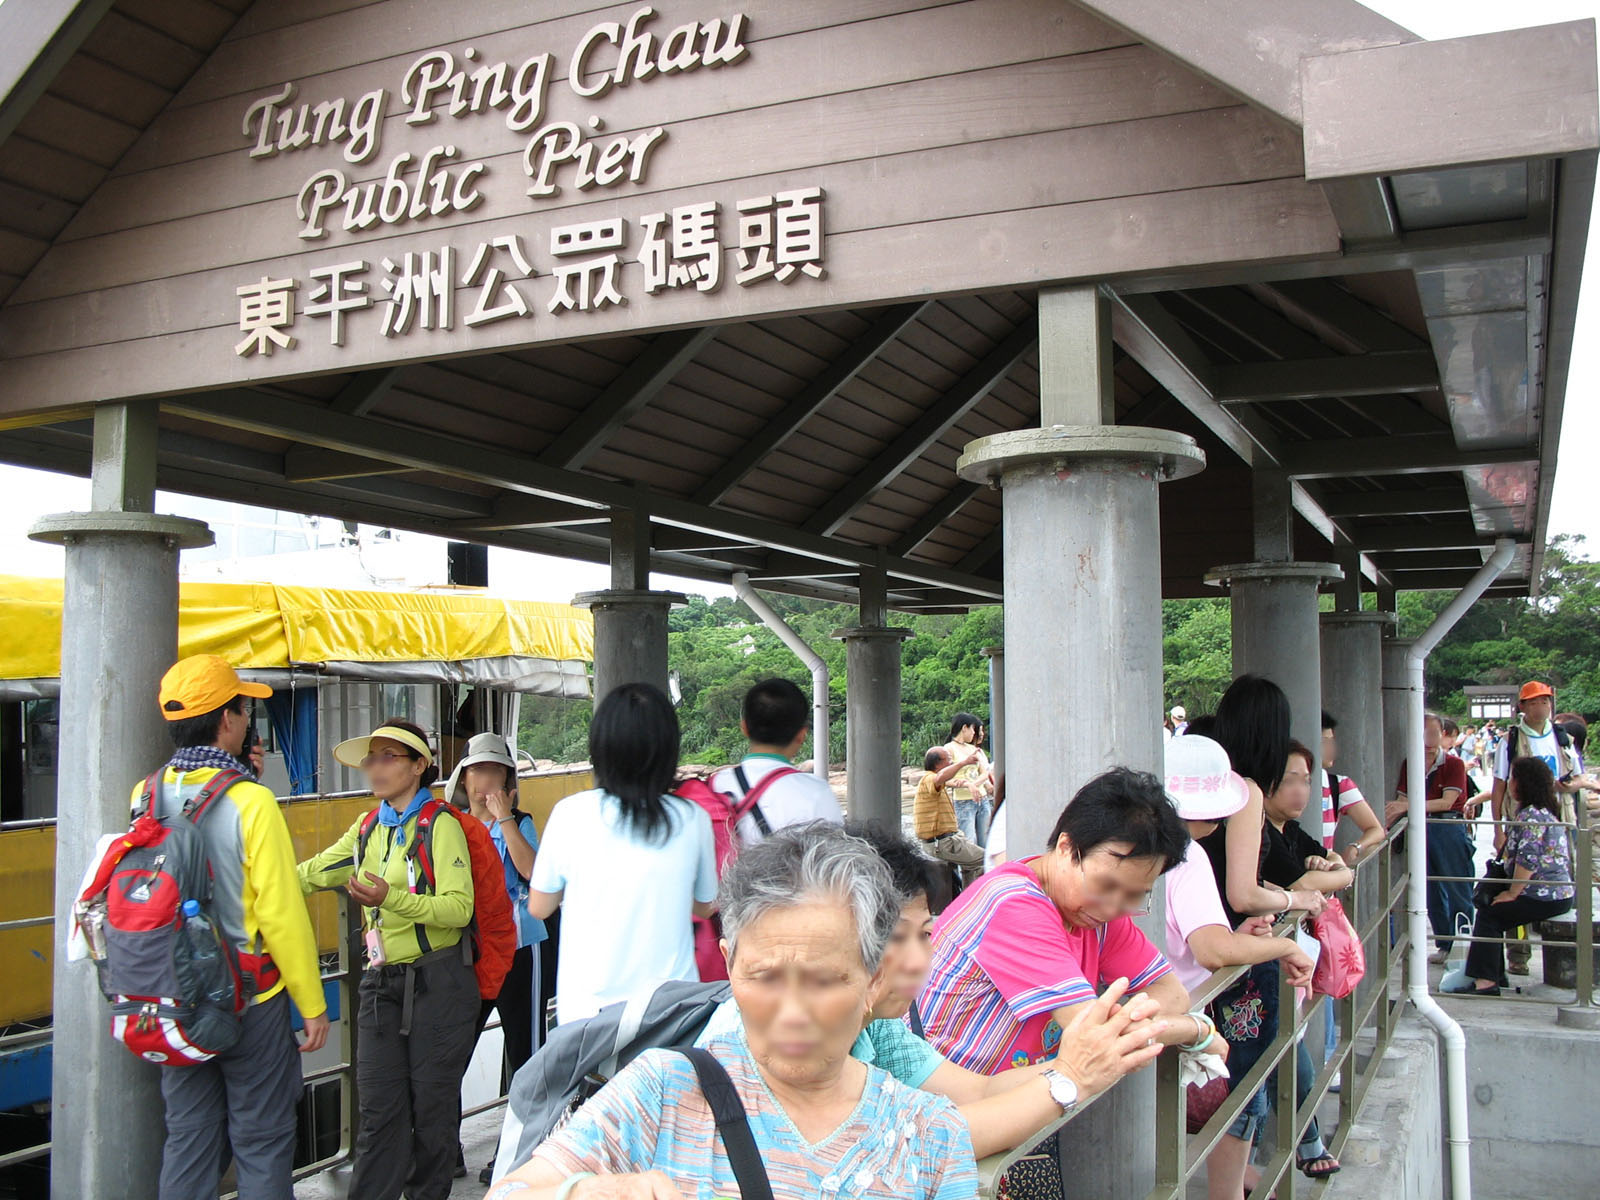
[{"x": 1439, "y": 957}]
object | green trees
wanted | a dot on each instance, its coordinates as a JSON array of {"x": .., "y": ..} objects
[
  {"x": 718, "y": 649},
  {"x": 1555, "y": 638}
]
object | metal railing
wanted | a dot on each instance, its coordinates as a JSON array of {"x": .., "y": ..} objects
[
  {"x": 1583, "y": 881},
  {"x": 346, "y": 971},
  {"x": 1366, "y": 1023}
]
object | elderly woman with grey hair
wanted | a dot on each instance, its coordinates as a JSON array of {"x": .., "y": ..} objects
[{"x": 806, "y": 915}]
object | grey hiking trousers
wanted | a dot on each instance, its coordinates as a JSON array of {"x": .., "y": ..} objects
[{"x": 246, "y": 1097}]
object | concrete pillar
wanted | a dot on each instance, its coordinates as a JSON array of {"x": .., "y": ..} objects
[
  {"x": 1352, "y": 690},
  {"x": 630, "y": 637},
  {"x": 630, "y": 620},
  {"x": 872, "y": 735},
  {"x": 1275, "y": 633},
  {"x": 119, "y": 634},
  {"x": 1396, "y": 719},
  {"x": 1083, "y": 634},
  {"x": 997, "y": 707}
]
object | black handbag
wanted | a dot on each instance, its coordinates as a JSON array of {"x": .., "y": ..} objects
[{"x": 1495, "y": 880}]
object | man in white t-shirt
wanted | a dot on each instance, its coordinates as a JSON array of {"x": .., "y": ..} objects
[
  {"x": 776, "y": 718},
  {"x": 1534, "y": 735}
]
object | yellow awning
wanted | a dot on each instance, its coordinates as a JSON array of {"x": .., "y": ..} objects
[{"x": 263, "y": 626}]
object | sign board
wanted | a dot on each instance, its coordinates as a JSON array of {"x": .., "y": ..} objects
[{"x": 336, "y": 190}]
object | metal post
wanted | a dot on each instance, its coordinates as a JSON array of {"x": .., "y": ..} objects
[
  {"x": 630, "y": 620},
  {"x": 1083, "y": 633},
  {"x": 997, "y": 707},
  {"x": 1583, "y": 1014},
  {"x": 873, "y": 755},
  {"x": 1274, "y": 609},
  {"x": 119, "y": 634}
]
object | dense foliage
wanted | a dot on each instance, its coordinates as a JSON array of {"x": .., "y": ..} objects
[{"x": 718, "y": 649}]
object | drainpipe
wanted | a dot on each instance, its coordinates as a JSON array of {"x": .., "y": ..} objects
[
  {"x": 1449, "y": 1032},
  {"x": 813, "y": 660}
]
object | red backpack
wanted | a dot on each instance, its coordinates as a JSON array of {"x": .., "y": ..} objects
[
  {"x": 491, "y": 937},
  {"x": 725, "y": 812},
  {"x": 177, "y": 985}
]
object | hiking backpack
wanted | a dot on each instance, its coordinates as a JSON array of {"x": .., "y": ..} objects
[
  {"x": 491, "y": 936},
  {"x": 725, "y": 812},
  {"x": 579, "y": 1056},
  {"x": 175, "y": 982}
]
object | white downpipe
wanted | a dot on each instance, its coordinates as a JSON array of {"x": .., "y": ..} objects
[
  {"x": 812, "y": 660},
  {"x": 1450, "y": 1034}
]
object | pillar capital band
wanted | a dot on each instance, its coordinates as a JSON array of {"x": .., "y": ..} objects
[
  {"x": 870, "y": 633},
  {"x": 62, "y": 529},
  {"x": 1320, "y": 572},
  {"x": 1167, "y": 454},
  {"x": 1371, "y": 617},
  {"x": 629, "y": 598}
]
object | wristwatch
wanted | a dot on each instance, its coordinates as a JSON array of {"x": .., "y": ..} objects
[{"x": 1062, "y": 1090}]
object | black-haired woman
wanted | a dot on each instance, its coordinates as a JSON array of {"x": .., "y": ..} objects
[
  {"x": 628, "y": 863},
  {"x": 419, "y": 997},
  {"x": 1538, "y": 854}
]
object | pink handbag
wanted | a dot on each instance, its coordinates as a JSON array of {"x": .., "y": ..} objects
[{"x": 1343, "y": 963}]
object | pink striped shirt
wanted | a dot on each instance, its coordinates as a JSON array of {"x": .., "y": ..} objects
[{"x": 1003, "y": 960}]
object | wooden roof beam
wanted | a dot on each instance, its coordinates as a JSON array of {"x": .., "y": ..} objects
[
  {"x": 443, "y": 454},
  {"x": 889, "y": 325},
  {"x": 926, "y": 429},
  {"x": 947, "y": 506},
  {"x": 1415, "y": 454},
  {"x": 1401, "y": 503},
  {"x": 626, "y": 396},
  {"x": 1325, "y": 378}
]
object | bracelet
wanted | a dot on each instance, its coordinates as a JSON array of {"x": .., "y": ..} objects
[
  {"x": 570, "y": 1183},
  {"x": 1206, "y": 1026},
  {"x": 507, "y": 821}
]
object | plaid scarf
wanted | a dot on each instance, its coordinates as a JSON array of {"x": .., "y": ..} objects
[{"x": 198, "y": 758}]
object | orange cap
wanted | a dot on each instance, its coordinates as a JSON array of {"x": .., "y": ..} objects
[
  {"x": 1534, "y": 688},
  {"x": 203, "y": 683}
]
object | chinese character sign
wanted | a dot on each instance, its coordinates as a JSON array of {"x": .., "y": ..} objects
[{"x": 772, "y": 240}]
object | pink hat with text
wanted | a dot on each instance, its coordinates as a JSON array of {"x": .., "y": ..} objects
[{"x": 1200, "y": 780}]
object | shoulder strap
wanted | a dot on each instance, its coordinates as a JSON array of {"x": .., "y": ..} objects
[
  {"x": 914, "y": 1018},
  {"x": 147, "y": 794},
  {"x": 364, "y": 837},
  {"x": 750, "y": 797},
  {"x": 1333, "y": 792},
  {"x": 732, "y": 1124},
  {"x": 422, "y": 844},
  {"x": 200, "y": 802}
]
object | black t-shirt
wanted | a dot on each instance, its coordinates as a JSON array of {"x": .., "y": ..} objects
[
  {"x": 1215, "y": 844},
  {"x": 1287, "y": 852}
]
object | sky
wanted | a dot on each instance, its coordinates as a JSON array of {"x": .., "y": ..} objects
[{"x": 31, "y": 494}]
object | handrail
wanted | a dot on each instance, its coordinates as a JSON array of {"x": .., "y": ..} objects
[{"x": 1178, "y": 1154}]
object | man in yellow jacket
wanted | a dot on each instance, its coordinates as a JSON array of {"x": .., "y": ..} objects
[{"x": 246, "y": 1095}]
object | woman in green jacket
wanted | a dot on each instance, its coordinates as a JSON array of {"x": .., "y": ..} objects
[{"x": 419, "y": 997}]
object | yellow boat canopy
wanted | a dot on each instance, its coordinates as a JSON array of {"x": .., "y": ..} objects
[{"x": 263, "y": 628}]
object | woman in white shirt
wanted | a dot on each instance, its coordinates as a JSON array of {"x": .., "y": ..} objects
[{"x": 628, "y": 863}]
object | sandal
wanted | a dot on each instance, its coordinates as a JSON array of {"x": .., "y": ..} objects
[{"x": 1320, "y": 1167}]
